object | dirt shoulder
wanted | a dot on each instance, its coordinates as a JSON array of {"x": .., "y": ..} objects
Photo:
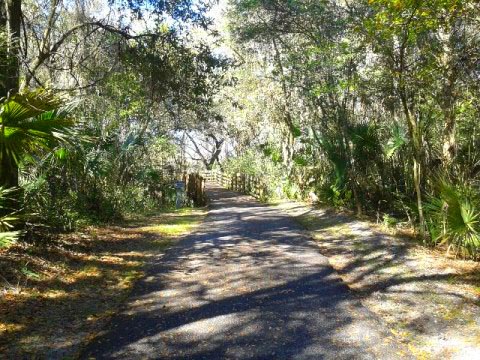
[
  {"x": 431, "y": 301},
  {"x": 54, "y": 298}
]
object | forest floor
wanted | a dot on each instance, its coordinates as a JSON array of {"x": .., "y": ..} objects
[
  {"x": 431, "y": 301},
  {"x": 55, "y": 298}
]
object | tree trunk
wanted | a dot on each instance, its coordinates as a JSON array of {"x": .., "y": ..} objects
[
  {"x": 450, "y": 60},
  {"x": 449, "y": 142},
  {"x": 9, "y": 170},
  {"x": 415, "y": 138},
  {"x": 288, "y": 145},
  {"x": 214, "y": 156},
  {"x": 10, "y": 20},
  {"x": 9, "y": 179},
  {"x": 3, "y": 49},
  {"x": 414, "y": 132}
]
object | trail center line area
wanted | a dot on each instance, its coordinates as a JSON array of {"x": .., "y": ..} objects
[{"x": 248, "y": 284}]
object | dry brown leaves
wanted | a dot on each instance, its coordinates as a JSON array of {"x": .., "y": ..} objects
[{"x": 53, "y": 298}]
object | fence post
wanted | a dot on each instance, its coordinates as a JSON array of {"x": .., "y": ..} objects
[{"x": 195, "y": 188}]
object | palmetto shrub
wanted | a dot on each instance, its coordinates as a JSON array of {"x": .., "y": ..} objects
[
  {"x": 31, "y": 123},
  {"x": 7, "y": 219},
  {"x": 454, "y": 218}
]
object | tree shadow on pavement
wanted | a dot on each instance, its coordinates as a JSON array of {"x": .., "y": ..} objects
[{"x": 249, "y": 285}]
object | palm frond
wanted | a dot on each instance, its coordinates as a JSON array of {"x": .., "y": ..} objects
[
  {"x": 7, "y": 221},
  {"x": 454, "y": 217},
  {"x": 8, "y": 238},
  {"x": 396, "y": 141},
  {"x": 34, "y": 122},
  {"x": 25, "y": 106},
  {"x": 366, "y": 143}
]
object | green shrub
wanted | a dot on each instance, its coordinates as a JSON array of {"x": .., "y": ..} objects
[
  {"x": 453, "y": 218},
  {"x": 7, "y": 219}
]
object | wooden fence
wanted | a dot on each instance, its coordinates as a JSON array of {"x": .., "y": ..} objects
[{"x": 244, "y": 183}]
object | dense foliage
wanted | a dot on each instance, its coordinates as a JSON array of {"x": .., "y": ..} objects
[
  {"x": 370, "y": 104},
  {"x": 123, "y": 79}
]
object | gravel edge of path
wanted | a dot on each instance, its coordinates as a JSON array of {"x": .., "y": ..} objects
[{"x": 430, "y": 301}]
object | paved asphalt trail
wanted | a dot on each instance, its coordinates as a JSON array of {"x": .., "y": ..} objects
[{"x": 249, "y": 284}]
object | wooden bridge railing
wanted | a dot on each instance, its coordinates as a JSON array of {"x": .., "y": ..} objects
[{"x": 244, "y": 183}]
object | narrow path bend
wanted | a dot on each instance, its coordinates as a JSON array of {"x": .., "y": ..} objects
[{"x": 249, "y": 284}]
